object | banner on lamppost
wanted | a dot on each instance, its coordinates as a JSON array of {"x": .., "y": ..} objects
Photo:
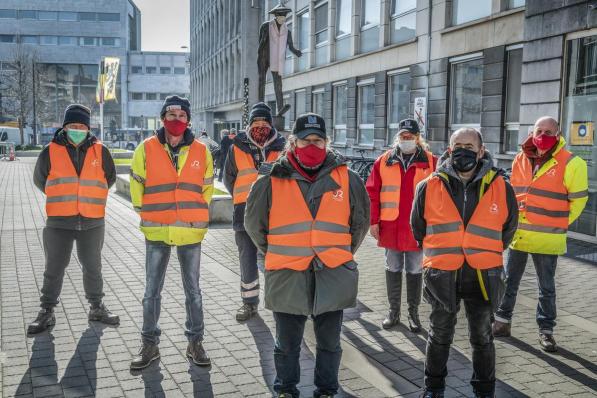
[{"x": 107, "y": 78}]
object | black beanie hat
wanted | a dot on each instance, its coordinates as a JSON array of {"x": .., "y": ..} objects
[
  {"x": 77, "y": 113},
  {"x": 261, "y": 109},
  {"x": 176, "y": 102}
]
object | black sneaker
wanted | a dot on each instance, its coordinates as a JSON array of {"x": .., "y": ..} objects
[
  {"x": 45, "y": 319},
  {"x": 103, "y": 315},
  {"x": 147, "y": 354},
  {"x": 547, "y": 342},
  {"x": 197, "y": 353},
  {"x": 246, "y": 311}
]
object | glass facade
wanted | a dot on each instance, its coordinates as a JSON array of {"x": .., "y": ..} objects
[
  {"x": 366, "y": 112},
  {"x": 370, "y": 17},
  {"x": 465, "y": 98},
  {"x": 300, "y": 103},
  {"x": 469, "y": 10},
  {"x": 512, "y": 112},
  {"x": 399, "y": 101},
  {"x": 343, "y": 28},
  {"x": 317, "y": 106},
  {"x": 579, "y": 118},
  {"x": 340, "y": 113},
  {"x": 304, "y": 23},
  {"x": 403, "y": 20}
]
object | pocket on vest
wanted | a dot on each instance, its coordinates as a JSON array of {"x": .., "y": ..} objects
[
  {"x": 287, "y": 291},
  {"x": 336, "y": 288}
]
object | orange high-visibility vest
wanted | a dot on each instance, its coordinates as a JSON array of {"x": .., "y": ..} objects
[
  {"x": 543, "y": 200},
  {"x": 247, "y": 174},
  {"x": 295, "y": 237},
  {"x": 447, "y": 243},
  {"x": 391, "y": 180},
  {"x": 69, "y": 194},
  {"x": 170, "y": 198}
]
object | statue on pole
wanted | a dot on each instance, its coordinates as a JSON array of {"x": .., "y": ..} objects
[{"x": 274, "y": 37}]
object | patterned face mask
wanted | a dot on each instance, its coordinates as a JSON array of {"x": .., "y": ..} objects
[{"x": 260, "y": 131}]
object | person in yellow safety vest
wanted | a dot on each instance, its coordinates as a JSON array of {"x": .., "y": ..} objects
[
  {"x": 551, "y": 186},
  {"x": 171, "y": 187},
  {"x": 261, "y": 145}
]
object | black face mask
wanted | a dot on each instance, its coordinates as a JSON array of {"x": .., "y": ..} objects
[{"x": 464, "y": 160}]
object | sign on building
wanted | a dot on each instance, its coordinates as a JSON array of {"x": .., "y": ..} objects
[
  {"x": 582, "y": 133},
  {"x": 421, "y": 113}
]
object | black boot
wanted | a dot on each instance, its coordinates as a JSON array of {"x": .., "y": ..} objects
[
  {"x": 45, "y": 319},
  {"x": 147, "y": 354},
  {"x": 197, "y": 353},
  {"x": 414, "y": 287},
  {"x": 394, "y": 288},
  {"x": 246, "y": 311},
  {"x": 102, "y": 314}
]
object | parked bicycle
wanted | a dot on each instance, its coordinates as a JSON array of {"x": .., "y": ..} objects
[{"x": 361, "y": 165}]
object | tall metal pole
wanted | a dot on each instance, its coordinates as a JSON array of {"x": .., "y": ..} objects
[
  {"x": 101, "y": 83},
  {"x": 34, "y": 104}
]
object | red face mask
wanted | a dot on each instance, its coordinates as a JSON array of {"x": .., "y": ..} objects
[
  {"x": 311, "y": 156},
  {"x": 545, "y": 142},
  {"x": 175, "y": 127}
]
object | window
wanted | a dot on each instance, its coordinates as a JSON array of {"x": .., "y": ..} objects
[
  {"x": 47, "y": 15},
  {"x": 366, "y": 112},
  {"x": 340, "y": 113},
  {"x": 343, "y": 28},
  {"x": 27, "y": 14},
  {"x": 87, "y": 16},
  {"x": 48, "y": 40},
  {"x": 300, "y": 103},
  {"x": 163, "y": 96},
  {"x": 68, "y": 40},
  {"x": 516, "y": 3},
  {"x": 180, "y": 70},
  {"x": 29, "y": 39},
  {"x": 469, "y": 10},
  {"x": 110, "y": 42},
  {"x": 8, "y": 14},
  {"x": 165, "y": 70},
  {"x": 512, "y": 117},
  {"x": 403, "y": 20},
  {"x": 68, "y": 16},
  {"x": 398, "y": 101},
  {"x": 370, "y": 25},
  {"x": 8, "y": 39},
  {"x": 136, "y": 69},
  {"x": 88, "y": 41},
  {"x": 303, "y": 39},
  {"x": 137, "y": 96},
  {"x": 151, "y": 96},
  {"x": 321, "y": 24},
  {"x": 108, "y": 17},
  {"x": 150, "y": 70},
  {"x": 465, "y": 97},
  {"x": 317, "y": 104}
]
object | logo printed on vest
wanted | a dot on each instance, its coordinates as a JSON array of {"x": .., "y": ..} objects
[
  {"x": 338, "y": 195},
  {"x": 551, "y": 173},
  {"x": 95, "y": 163},
  {"x": 493, "y": 208},
  {"x": 195, "y": 164}
]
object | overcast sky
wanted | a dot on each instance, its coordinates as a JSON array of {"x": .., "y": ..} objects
[{"x": 164, "y": 24}]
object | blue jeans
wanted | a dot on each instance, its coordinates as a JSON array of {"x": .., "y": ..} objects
[
  {"x": 289, "y": 335},
  {"x": 156, "y": 262},
  {"x": 397, "y": 261},
  {"x": 545, "y": 266}
]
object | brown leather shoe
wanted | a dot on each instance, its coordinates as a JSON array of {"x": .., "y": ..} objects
[
  {"x": 547, "y": 342},
  {"x": 500, "y": 329}
]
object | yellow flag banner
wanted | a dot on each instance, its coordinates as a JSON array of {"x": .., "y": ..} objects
[{"x": 107, "y": 78}]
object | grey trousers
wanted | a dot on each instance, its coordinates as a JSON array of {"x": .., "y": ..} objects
[
  {"x": 249, "y": 272},
  {"x": 58, "y": 246}
]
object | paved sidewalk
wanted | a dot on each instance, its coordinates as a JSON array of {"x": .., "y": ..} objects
[{"x": 78, "y": 358}]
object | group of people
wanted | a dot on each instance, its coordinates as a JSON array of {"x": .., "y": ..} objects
[{"x": 300, "y": 215}]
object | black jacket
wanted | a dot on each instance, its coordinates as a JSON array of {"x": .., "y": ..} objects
[
  {"x": 225, "y": 145},
  {"x": 242, "y": 141},
  {"x": 444, "y": 286},
  {"x": 77, "y": 156},
  {"x": 263, "y": 49}
]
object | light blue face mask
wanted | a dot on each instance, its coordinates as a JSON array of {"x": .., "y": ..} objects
[{"x": 76, "y": 136}]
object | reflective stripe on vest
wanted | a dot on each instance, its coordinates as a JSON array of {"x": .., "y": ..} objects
[
  {"x": 391, "y": 178},
  {"x": 172, "y": 199},
  {"x": 543, "y": 200},
  {"x": 447, "y": 244},
  {"x": 247, "y": 174},
  {"x": 69, "y": 194},
  {"x": 295, "y": 237}
]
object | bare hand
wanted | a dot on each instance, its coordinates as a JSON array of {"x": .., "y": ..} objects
[{"x": 374, "y": 231}]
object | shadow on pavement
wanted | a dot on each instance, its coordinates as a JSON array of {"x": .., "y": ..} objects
[
  {"x": 264, "y": 340},
  {"x": 152, "y": 379},
  {"x": 42, "y": 373},
  {"x": 201, "y": 378}
]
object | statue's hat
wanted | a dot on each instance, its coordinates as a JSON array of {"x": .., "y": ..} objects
[{"x": 280, "y": 10}]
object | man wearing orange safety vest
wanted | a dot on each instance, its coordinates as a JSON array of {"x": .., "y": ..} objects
[
  {"x": 171, "y": 187},
  {"x": 308, "y": 213},
  {"x": 261, "y": 144},
  {"x": 551, "y": 186},
  {"x": 463, "y": 217},
  {"x": 75, "y": 172}
]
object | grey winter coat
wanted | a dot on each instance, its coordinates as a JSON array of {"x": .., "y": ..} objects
[{"x": 318, "y": 289}]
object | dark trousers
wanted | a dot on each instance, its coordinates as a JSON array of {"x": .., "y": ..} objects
[
  {"x": 58, "y": 246},
  {"x": 249, "y": 274},
  {"x": 545, "y": 266},
  {"x": 277, "y": 87},
  {"x": 441, "y": 334},
  {"x": 289, "y": 335}
]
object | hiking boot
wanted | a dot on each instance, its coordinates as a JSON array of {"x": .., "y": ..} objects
[
  {"x": 197, "y": 353},
  {"x": 500, "y": 329},
  {"x": 45, "y": 318},
  {"x": 432, "y": 394},
  {"x": 148, "y": 353},
  {"x": 547, "y": 342},
  {"x": 102, "y": 314},
  {"x": 394, "y": 291},
  {"x": 246, "y": 311}
]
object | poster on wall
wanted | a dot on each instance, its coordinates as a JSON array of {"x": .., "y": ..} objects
[
  {"x": 581, "y": 133},
  {"x": 420, "y": 113}
]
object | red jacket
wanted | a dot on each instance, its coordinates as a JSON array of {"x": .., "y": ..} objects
[{"x": 396, "y": 235}]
